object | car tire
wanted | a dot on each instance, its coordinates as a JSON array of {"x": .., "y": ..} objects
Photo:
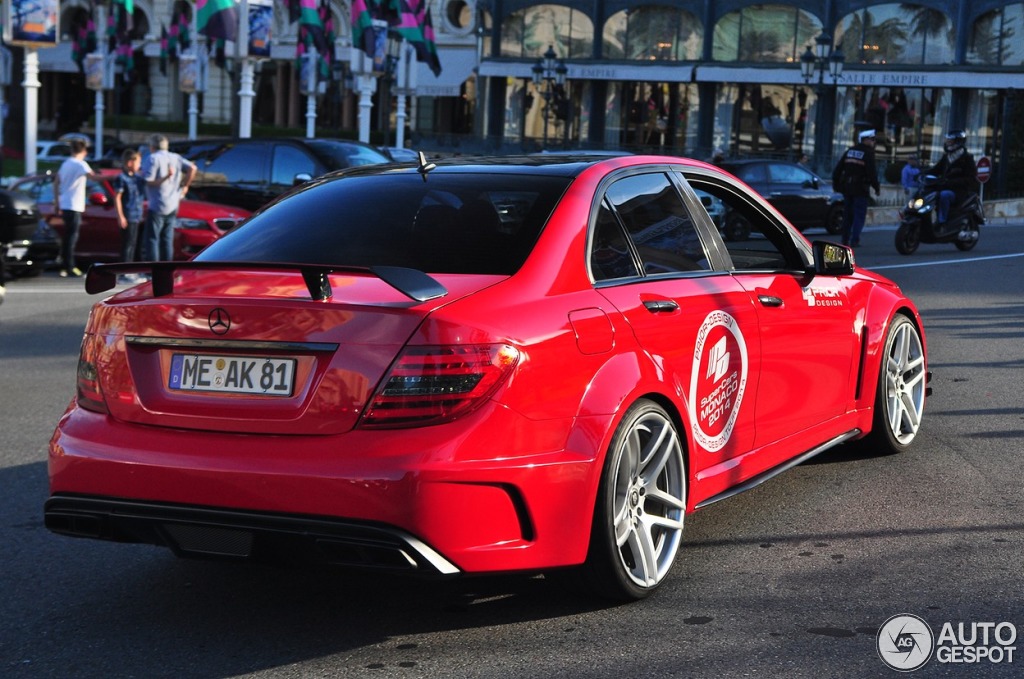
[
  {"x": 736, "y": 228},
  {"x": 641, "y": 506},
  {"x": 834, "y": 221},
  {"x": 902, "y": 385}
]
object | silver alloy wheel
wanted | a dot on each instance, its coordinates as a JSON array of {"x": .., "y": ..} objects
[
  {"x": 649, "y": 498},
  {"x": 904, "y": 382}
]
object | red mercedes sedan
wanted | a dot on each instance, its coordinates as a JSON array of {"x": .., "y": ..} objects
[
  {"x": 99, "y": 239},
  {"x": 477, "y": 366}
]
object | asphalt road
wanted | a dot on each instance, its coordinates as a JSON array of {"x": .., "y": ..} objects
[{"x": 791, "y": 579}]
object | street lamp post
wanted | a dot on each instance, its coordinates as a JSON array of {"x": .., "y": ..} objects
[
  {"x": 394, "y": 48},
  {"x": 550, "y": 72},
  {"x": 823, "y": 59}
]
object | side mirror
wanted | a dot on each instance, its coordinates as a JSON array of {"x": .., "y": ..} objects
[
  {"x": 811, "y": 183},
  {"x": 831, "y": 259},
  {"x": 98, "y": 198},
  {"x": 301, "y": 178}
]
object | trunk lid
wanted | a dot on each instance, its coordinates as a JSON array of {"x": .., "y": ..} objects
[{"x": 251, "y": 352}]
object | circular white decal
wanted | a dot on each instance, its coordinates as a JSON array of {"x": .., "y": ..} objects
[
  {"x": 905, "y": 642},
  {"x": 718, "y": 380}
]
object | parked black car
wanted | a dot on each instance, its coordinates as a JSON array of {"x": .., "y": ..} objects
[
  {"x": 27, "y": 244},
  {"x": 249, "y": 173},
  {"x": 804, "y": 198}
]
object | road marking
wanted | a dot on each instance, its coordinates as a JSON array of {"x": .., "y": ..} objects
[{"x": 960, "y": 260}]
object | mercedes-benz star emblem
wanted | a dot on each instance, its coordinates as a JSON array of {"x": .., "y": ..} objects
[{"x": 220, "y": 321}]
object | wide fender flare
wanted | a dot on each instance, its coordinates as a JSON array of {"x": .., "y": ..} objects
[
  {"x": 620, "y": 382},
  {"x": 878, "y": 314}
]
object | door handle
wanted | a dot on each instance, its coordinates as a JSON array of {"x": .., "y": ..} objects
[
  {"x": 657, "y": 306},
  {"x": 769, "y": 300}
]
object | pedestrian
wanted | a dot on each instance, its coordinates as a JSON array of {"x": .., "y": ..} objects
[
  {"x": 129, "y": 189},
  {"x": 167, "y": 177},
  {"x": 854, "y": 176},
  {"x": 910, "y": 174},
  {"x": 69, "y": 197}
]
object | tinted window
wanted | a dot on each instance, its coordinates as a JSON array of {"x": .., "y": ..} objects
[
  {"x": 450, "y": 224},
  {"x": 610, "y": 256},
  {"x": 658, "y": 223},
  {"x": 789, "y": 174},
  {"x": 234, "y": 164},
  {"x": 751, "y": 174},
  {"x": 770, "y": 246},
  {"x": 41, "y": 190},
  {"x": 339, "y": 155},
  {"x": 288, "y": 162}
]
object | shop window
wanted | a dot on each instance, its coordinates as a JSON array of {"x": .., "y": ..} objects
[
  {"x": 995, "y": 37},
  {"x": 765, "y": 33},
  {"x": 527, "y": 33},
  {"x": 897, "y": 34},
  {"x": 653, "y": 34}
]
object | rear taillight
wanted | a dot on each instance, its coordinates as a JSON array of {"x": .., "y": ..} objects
[
  {"x": 90, "y": 396},
  {"x": 429, "y": 385}
]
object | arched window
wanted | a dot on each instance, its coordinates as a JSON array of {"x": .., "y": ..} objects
[
  {"x": 897, "y": 34},
  {"x": 996, "y": 37},
  {"x": 653, "y": 34},
  {"x": 527, "y": 33},
  {"x": 773, "y": 33}
]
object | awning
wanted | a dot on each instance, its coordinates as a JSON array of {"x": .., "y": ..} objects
[
  {"x": 456, "y": 66},
  {"x": 662, "y": 72}
]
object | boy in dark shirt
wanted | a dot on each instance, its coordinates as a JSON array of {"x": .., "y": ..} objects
[{"x": 129, "y": 194}]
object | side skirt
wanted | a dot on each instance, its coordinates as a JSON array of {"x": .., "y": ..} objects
[{"x": 775, "y": 471}]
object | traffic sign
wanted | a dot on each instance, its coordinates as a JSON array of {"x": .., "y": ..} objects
[{"x": 984, "y": 169}]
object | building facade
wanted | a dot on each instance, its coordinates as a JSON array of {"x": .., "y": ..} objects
[{"x": 671, "y": 76}]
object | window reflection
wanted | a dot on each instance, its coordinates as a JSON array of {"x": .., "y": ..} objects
[
  {"x": 897, "y": 34},
  {"x": 773, "y": 33},
  {"x": 528, "y": 32},
  {"x": 653, "y": 34},
  {"x": 995, "y": 38}
]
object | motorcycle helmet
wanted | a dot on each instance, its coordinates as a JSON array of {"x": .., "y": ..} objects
[{"x": 955, "y": 141}]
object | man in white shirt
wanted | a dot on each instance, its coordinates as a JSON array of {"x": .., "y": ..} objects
[{"x": 69, "y": 187}]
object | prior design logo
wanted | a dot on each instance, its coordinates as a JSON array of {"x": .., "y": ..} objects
[
  {"x": 905, "y": 642},
  {"x": 718, "y": 380}
]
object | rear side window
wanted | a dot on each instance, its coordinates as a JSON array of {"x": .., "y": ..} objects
[
  {"x": 289, "y": 161},
  {"x": 789, "y": 174},
  {"x": 242, "y": 164},
  {"x": 452, "y": 223},
  {"x": 658, "y": 224}
]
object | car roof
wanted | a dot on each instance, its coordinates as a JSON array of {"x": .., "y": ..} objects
[{"x": 562, "y": 165}]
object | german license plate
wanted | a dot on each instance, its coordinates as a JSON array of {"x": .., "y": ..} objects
[
  {"x": 16, "y": 253},
  {"x": 232, "y": 374}
]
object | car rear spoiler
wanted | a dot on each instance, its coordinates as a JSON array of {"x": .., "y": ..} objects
[{"x": 412, "y": 283}]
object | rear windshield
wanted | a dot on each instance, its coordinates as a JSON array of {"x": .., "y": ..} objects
[{"x": 451, "y": 223}]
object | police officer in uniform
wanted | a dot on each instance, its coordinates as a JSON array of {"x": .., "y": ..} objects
[{"x": 854, "y": 176}]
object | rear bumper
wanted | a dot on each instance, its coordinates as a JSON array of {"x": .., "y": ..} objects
[
  {"x": 506, "y": 495},
  {"x": 217, "y": 533}
]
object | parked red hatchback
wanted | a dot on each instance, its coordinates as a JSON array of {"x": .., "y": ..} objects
[
  {"x": 99, "y": 240},
  {"x": 517, "y": 364}
]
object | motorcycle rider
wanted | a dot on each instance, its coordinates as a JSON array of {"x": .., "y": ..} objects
[
  {"x": 957, "y": 172},
  {"x": 855, "y": 174}
]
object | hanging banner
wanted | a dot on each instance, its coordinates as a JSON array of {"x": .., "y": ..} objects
[
  {"x": 95, "y": 71},
  {"x": 261, "y": 26},
  {"x": 31, "y": 23},
  {"x": 188, "y": 73}
]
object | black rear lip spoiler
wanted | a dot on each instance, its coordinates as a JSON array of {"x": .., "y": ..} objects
[{"x": 414, "y": 284}]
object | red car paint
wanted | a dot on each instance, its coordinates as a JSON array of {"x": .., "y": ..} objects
[{"x": 755, "y": 368}]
